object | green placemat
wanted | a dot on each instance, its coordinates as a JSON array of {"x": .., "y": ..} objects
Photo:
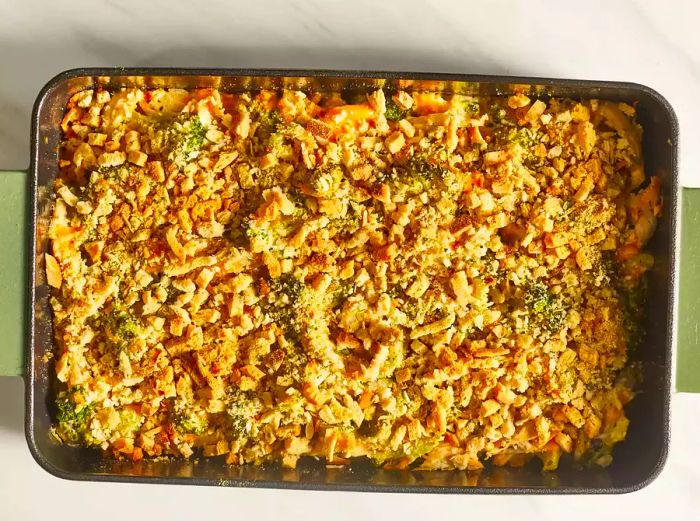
[
  {"x": 13, "y": 275},
  {"x": 688, "y": 358}
]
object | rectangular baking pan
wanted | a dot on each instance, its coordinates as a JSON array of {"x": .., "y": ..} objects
[{"x": 637, "y": 461}]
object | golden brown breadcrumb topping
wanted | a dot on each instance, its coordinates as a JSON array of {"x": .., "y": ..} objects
[{"x": 418, "y": 278}]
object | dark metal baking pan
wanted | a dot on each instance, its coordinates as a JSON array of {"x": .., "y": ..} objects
[{"x": 637, "y": 461}]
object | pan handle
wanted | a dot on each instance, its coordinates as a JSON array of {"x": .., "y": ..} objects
[
  {"x": 688, "y": 357},
  {"x": 14, "y": 204}
]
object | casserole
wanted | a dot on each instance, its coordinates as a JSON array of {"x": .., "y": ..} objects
[{"x": 636, "y": 461}]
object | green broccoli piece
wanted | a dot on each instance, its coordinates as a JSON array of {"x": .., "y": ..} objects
[
  {"x": 545, "y": 308},
  {"x": 121, "y": 327},
  {"x": 471, "y": 106},
  {"x": 426, "y": 169},
  {"x": 632, "y": 295},
  {"x": 72, "y": 418},
  {"x": 129, "y": 421},
  {"x": 112, "y": 173},
  {"x": 632, "y": 299},
  {"x": 537, "y": 297},
  {"x": 290, "y": 286},
  {"x": 186, "y": 420},
  {"x": 523, "y": 136},
  {"x": 351, "y": 221},
  {"x": 253, "y": 232},
  {"x": 598, "y": 455},
  {"x": 422, "y": 447},
  {"x": 504, "y": 135},
  {"x": 258, "y": 237},
  {"x": 268, "y": 123},
  {"x": 195, "y": 135},
  {"x": 393, "y": 111},
  {"x": 325, "y": 180},
  {"x": 186, "y": 139},
  {"x": 242, "y": 408},
  {"x": 497, "y": 114},
  {"x": 68, "y": 411},
  {"x": 126, "y": 326},
  {"x": 191, "y": 423},
  {"x": 238, "y": 424},
  {"x": 290, "y": 292},
  {"x": 380, "y": 458},
  {"x": 276, "y": 143},
  {"x": 298, "y": 198}
]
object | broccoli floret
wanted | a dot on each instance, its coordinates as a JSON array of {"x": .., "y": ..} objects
[
  {"x": 126, "y": 326},
  {"x": 191, "y": 423},
  {"x": 537, "y": 297},
  {"x": 260, "y": 238},
  {"x": 351, "y": 221},
  {"x": 195, "y": 133},
  {"x": 545, "y": 309},
  {"x": 268, "y": 123},
  {"x": 426, "y": 169},
  {"x": 393, "y": 111},
  {"x": 186, "y": 139},
  {"x": 471, "y": 106},
  {"x": 598, "y": 455},
  {"x": 253, "y": 232},
  {"x": 381, "y": 458},
  {"x": 631, "y": 294},
  {"x": 276, "y": 143},
  {"x": 286, "y": 306},
  {"x": 298, "y": 198},
  {"x": 129, "y": 421},
  {"x": 276, "y": 140},
  {"x": 511, "y": 135},
  {"x": 72, "y": 418},
  {"x": 325, "y": 180},
  {"x": 113, "y": 173},
  {"x": 632, "y": 297},
  {"x": 523, "y": 136},
  {"x": 290, "y": 286},
  {"x": 121, "y": 327},
  {"x": 238, "y": 424},
  {"x": 186, "y": 420},
  {"x": 422, "y": 447},
  {"x": 242, "y": 408},
  {"x": 497, "y": 114},
  {"x": 68, "y": 411},
  {"x": 289, "y": 292}
]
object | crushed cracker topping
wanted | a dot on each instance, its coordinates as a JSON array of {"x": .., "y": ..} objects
[{"x": 420, "y": 279}]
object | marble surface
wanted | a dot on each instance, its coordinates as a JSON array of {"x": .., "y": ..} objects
[{"x": 652, "y": 42}]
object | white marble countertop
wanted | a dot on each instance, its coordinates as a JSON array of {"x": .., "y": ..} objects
[{"x": 656, "y": 43}]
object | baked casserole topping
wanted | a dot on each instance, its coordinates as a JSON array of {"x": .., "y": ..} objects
[{"x": 426, "y": 280}]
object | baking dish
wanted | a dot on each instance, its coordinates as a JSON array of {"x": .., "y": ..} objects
[{"x": 636, "y": 461}]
